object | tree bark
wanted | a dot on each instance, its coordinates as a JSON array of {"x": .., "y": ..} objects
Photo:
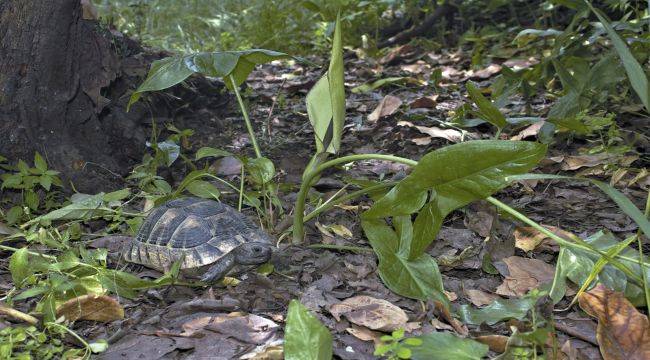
[{"x": 54, "y": 67}]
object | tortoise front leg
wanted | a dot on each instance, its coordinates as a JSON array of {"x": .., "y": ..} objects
[{"x": 219, "y": 269}]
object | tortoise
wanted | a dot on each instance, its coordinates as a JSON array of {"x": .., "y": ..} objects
[{"x": 211, "y": 238}]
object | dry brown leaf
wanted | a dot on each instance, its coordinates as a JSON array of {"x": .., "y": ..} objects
[
  {"x": 387, "y": 106},
  {"x": 497, "y": 343},
  {"x": 435, "y": 132},
  {"x": 623, "y": 332},
  {"x": 373, "y": 313},
  {"x": 91, "y": 307},
  {"x": 417, "y": 68},
  {"x": 480, "y": 298},
  {"x": 485, "y": 72},
  {"x": 528, "y": 238},
  {"x": 248, "y": 328},
  {"x": 578, "y": 161},
  {"x": 529, "y": 131},
  {"x": 364, "y": 334},
  {"x": 422, "y": 141},
  {"x": 519, "y": 64},
  {"x": 449, "y": 72},
  {"x": 425, "y": 102},
  {"x": 524, "y": 274}
]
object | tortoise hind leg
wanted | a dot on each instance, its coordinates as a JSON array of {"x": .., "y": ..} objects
[{"x": 219, "y": 269}]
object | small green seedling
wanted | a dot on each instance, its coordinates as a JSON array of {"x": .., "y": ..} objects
[{"x": 395, "y": 346}]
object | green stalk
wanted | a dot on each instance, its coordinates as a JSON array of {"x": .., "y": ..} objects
[
  {"x": 581, "y": 245},
  {"x": 353, "y": 195},
  {"x": 244, "y": 112},
  {"x": 646, "y": 289},
  {"x": 308, "y": 178}
]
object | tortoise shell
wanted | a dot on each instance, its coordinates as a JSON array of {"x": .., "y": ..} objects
[{"x": 198, "y": 230}]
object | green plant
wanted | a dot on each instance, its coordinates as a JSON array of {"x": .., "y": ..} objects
[
  {"x": 33, "y": 183},
  {"x": 395, "y": 346}
]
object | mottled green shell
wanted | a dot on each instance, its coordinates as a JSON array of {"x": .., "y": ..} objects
[{"x": 201, "y": 230}]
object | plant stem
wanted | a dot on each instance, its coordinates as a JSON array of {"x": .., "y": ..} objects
[
  {"x": 13, "y": 249},
  {"x": 353, "y": 195},
  {"x": 299, "y": 211},
  {"x": 561, "y": 241},
  {"x": 646, "y": 288},
  {"x": 244, "y": 112}
]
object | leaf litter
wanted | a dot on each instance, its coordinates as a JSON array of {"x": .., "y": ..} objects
[{"x": 342, "y": 289}]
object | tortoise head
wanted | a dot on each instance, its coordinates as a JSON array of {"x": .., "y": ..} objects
[{"x": 252, "y": 253}]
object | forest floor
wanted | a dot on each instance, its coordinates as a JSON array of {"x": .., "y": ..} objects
[{"x": 245, "y": 319}]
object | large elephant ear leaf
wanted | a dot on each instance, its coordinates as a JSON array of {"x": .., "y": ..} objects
[
  {"x": 170, "y": 71},
  {"x": 326, "y": 101}
]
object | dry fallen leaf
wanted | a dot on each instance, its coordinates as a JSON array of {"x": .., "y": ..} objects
[
  {"x": 91, "y": 307},
  {"x": 364, "y": 334},
  {"x": 623, "y": 332},
  {"x": 248, "y": 328},
  {"x": 387, "y": 106},
  {"x": 529, "y": 131},
  {"x": 425, "y": 102},
  {"x": 480, "y": 298},
  {"x": 519, "y": 64},
  {"x": 373, "y": 313},
  {"x": 485, "y": 72},
  {"x": 417, "y": 68},
  {"x": 528, "y": 238},
  {"x": 578, "y": 161},
  {"x": 524, "y": 274},
  {"x": 435, "y": 132},
  {"x": 497, "y": 343}
]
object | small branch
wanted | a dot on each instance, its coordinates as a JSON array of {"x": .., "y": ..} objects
[
  {"x": 18, "y": 315},
  {"x": 247, "y": 120}
]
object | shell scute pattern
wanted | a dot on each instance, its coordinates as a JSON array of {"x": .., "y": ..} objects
[{"x": 198, "y": 230}]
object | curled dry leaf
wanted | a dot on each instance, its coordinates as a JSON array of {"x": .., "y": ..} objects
[
  {"x": 435, "y": 132},
  {"x": 528, "y": 238},
  {"x": 623, "y": 332},
  {"x": 425, "y": 102},
  {"x": 364, "y": 334},
  {"x": 373, "y": 313},
  {"x": 523, "y": 275},
  {"x": 531, "y": 130},
  {"x": 484, "y": 73},
  {"x": 480, "y": 298},
  {"x": 497, "y": 343},
  {"x": 91, "y": 307},
  {"x": 387, "y": 106},
  {"x": 248, "y": 328}
]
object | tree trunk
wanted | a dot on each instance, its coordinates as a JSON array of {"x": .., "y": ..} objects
[{"x": 54, "y": 68}]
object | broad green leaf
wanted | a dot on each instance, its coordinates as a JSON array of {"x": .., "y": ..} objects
[
  {"x": 31, "y": 292},
  {"x": 635, "y": 73},
  {"x": 210, "y": 152},
  {"x": 447, "y": 346},
  {"x": 117, "y": 195},
  {"x": 326, "y": 101},
  {"x": 40, "y": 163},
  {"x": 305, "y": 338},
  {"x": 486, "y": 110},
  {"x": 500, "y": 309},
  {"x": 260, "y": 170},
  {"x": 89, "y": 206},
  {"x": 170, "y": 71},
  {"x": 203, "y": 189},
  {"x": 13, "y": 215},
  {"x": 19, "y": 266},
  {"x": 31, "y": 199},
  {"x": 577, "y": 265},
  {"x": 418, "y": 278},
  {"x": 12, "y": 181},
  {"x": 457, "y": 174}
]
